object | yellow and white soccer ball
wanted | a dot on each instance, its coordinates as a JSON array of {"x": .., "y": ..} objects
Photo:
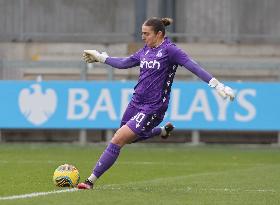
[{"x": 66, "y": 175}]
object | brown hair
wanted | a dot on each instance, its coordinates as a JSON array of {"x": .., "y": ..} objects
[{"x": 158, "y": 24}]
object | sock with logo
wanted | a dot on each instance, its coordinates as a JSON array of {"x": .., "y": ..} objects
[
  {"x": 106, "y": 160},
  {"x": 92, "y": 178}
]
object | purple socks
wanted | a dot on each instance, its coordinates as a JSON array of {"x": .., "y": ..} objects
[
  {"x": 155, "y": 132},
  {"x": 107, "y": 159},
  {"x": 111, "y": 153}
]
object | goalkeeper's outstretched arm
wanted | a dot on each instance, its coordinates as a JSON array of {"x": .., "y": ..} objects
[
  {"x": 91, "y": 56},
  {"x": 179, "y": 57}
]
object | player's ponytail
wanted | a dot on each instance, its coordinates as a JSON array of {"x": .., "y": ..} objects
[{"x": 166, "y": 21}]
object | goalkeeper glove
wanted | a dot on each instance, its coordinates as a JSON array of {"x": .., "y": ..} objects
[
  {"x": 223, "y": 91},
  {"x": 91, "y": 56}
]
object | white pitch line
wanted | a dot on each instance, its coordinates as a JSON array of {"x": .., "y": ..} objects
[
  {"x": 238, "y": 190},
  {"x": 36, "y": 194}
]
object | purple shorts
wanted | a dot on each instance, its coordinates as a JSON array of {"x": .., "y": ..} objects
[{"x": 140, "y": 121}]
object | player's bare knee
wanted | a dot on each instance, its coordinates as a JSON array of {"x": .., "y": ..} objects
[
  {"x": 123, "y": 136},
  {"x": 117, "y": 139}
]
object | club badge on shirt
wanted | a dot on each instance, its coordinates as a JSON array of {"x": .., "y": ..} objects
[{"x": 159, "y": 54}]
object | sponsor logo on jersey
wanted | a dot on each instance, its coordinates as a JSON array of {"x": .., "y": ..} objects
[{"x": 149, "y": 64}]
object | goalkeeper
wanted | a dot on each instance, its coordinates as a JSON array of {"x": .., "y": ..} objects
[{"x": 158, "y": 61}]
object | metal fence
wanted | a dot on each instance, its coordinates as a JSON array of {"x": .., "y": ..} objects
[{"x": 228, "y": 70}]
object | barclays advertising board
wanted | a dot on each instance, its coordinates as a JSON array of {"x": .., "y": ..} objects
[{"x": 99, "y": 105}]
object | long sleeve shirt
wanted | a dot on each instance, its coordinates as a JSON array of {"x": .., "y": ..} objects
[{"x": 157, "y": 70}]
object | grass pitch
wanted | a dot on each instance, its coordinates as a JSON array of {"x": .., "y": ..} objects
[{"x": 144, "y": 174}]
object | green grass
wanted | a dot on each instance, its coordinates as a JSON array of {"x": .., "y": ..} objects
[{"x": 146, "y": 174}]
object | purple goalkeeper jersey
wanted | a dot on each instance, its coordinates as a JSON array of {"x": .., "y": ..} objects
[{"x": 157, "y": 70}]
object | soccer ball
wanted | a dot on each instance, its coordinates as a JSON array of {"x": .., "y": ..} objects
[{"x": 66, "y": 175}]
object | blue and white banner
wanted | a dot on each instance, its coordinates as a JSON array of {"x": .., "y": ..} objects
[{"x": 99, "y": 105}]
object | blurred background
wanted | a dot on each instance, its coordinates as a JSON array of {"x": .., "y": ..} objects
[{"x": 235, "y": 40}]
